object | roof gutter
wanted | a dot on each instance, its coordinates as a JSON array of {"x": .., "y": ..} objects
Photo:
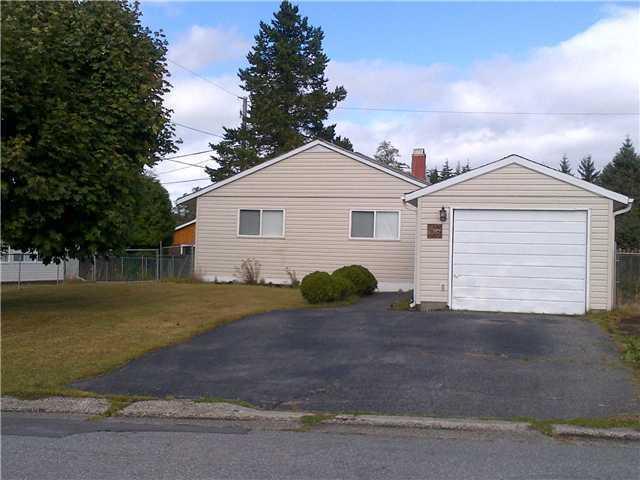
[{"x": 625, "y": 209}]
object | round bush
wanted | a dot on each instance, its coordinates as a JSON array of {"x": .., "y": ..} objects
[
  {"x": 363, "y": 281},
  {"x": 342, "y": 287},
  {"x": 318, "y": 287}
]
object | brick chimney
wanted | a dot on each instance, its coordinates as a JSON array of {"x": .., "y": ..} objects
[{"x": 419, "y": 163}]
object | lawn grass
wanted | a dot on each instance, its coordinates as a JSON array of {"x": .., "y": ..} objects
[
  {"x": 623, "y": 324},
  {"x": 53, "y": 335}
]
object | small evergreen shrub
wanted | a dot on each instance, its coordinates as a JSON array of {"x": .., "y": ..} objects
[
  {"x": 318, "y": 287},
  {"x": 363, "y": 280},
  {"x": 343, "y": 288}
]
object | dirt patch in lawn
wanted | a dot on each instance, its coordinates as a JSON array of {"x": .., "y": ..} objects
[{"x": 53, "y": 335}]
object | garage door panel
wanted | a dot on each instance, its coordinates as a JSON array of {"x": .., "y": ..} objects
[
  {"x": 536, "y": 306},
  {"x": 505, "y": 293},
  {"x": 519, "y": 248},
  {"x": 519, "y": 260},
  {"x": 520, "y": 282},
  {"x": 520, "y": 237},
  {"x": 531, "y": 272},
  {"x": 520, "y": 226},
  {"x": 521, "y": 215}
]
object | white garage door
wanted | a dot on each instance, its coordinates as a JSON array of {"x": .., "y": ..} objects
[{"x": 519, "y": 261}]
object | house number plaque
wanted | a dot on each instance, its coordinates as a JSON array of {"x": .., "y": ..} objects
[{"x": 434, "y": 230}]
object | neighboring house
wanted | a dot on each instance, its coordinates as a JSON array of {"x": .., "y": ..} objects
[
  {"x": 512, "y": 235},
  {"x": 17, "y": 267},
  {"x": 184, "y": 238}
]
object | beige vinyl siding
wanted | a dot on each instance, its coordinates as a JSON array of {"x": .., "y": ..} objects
[
  {"x": 513, "y": 186},
  {"x": 317, "y": 189}
]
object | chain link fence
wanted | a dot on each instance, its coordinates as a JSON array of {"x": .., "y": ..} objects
[
  {"x": 627, "y": 277},
  {"x": 137, "y": 268}
]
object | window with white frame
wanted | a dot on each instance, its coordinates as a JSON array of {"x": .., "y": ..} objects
[
  {"x": 375, "y": 224},
  {"x": 261, "y": 223}
]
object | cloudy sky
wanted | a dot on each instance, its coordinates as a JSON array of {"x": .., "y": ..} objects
[{"x": 519, "y": 58}]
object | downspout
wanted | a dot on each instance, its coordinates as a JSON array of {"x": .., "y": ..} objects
[
  {"x": 625, "y": 209},
  {"x": 615, "y": 254},
  {"x": 415, "y": 253}
]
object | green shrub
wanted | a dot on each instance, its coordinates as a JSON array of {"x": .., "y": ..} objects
[
  {"x": 362, "y": 279},
  {"x": 318, "y": 287},
  {"x": 342, "y": 287}
]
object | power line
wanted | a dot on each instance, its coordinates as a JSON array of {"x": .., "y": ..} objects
[
  {"x": 205, "y": 79},
  {"x": 197, "y": 130},
  {"x": 196, "y": 165},
  {"x": 187, "y": 181},
  {"x": 469, "y": 112},
  {"x": 187, "y": 154}
]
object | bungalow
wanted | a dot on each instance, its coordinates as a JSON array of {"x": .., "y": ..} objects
[{"x": 512, "y": 235}]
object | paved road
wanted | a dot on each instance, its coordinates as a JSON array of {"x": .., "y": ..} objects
[
  {"x": 57, "y": 447},
  {"x": 367, "y": 358}
]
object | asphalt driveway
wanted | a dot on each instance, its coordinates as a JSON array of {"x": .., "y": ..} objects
[{"x": 366, "y": 357}]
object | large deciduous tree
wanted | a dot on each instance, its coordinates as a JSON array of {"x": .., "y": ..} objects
[
  {"x": 82, "y": 116},
  {"x": 622, "y": 175},
  {"x": 289, "y": 100},
  {"x": 389, "y": 155}
]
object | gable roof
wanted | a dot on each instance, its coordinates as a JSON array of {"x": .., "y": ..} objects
[
  {"x": 526, "y": 163},
  {"x": 353, "y": 155},
  {"x": 186, "y": 224}
]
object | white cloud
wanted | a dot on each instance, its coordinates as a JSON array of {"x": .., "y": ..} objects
[
  {"x": 200, "y": 105},
  {"x": 595, "y": 71},
  {"x": 201, "y": 46}
]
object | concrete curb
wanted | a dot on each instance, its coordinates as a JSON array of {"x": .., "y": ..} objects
[
  {"x": 189, "y": 409},
  {"x": 459, "y": 424},
  {"x": 71, "y": 405},
  {"x": 205, "y": 410},
  {"x": 603, "y": 433}
]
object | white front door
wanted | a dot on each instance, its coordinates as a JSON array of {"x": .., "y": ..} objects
[{"x": 519, "y": 261}]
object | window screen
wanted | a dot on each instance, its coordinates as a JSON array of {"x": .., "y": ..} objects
[
  {"x": 387, "y": 225},
  {"x": 272, "y": 221},
  {"x": 249, "y": 222},
  {"x": 362, "y": 224}
]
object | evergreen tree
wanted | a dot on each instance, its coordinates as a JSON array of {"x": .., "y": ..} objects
[
  {"x": 587, "y": 170},
  {"x": 565, "y": 166},
  {"x": 458, "y": 170},
  {"x": 466, "y": 168},
  {"x": 388, "y": 154},
  {"x": 434, "y": 176},
  {"x": 288, "y": 96},
  {"x": 446, "y": 171},
  {"x": 622, "y": 175}
]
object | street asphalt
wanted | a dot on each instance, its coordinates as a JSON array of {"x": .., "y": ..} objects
[
  {"x": 367, "y": 358},
  {"x": 56, "y": 447}
]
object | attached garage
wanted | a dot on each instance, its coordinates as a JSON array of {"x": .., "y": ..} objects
[
  {"x": 516, "y": 236},
  {"x": 519, "y": 260}
]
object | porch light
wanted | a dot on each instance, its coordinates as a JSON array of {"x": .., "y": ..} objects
[{"x": 443, "y": 214}]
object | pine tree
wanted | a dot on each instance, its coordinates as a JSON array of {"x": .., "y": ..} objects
[
  {"x": 388, "y": 154},
  {"x": 587, "y": 170},
  {"x": 565, "y": 166},
  {"x": 466, "y": 168},
  {"x": 289, "y": 100},
  {"x": 458, "y": 170},
  {"x": 446, "y": 171},
  {"x": 434, "y": 176},
  {"x": 622, "y": 175}
]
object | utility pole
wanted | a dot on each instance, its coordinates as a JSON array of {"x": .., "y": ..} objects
[{"x": 244, "y": 111}]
